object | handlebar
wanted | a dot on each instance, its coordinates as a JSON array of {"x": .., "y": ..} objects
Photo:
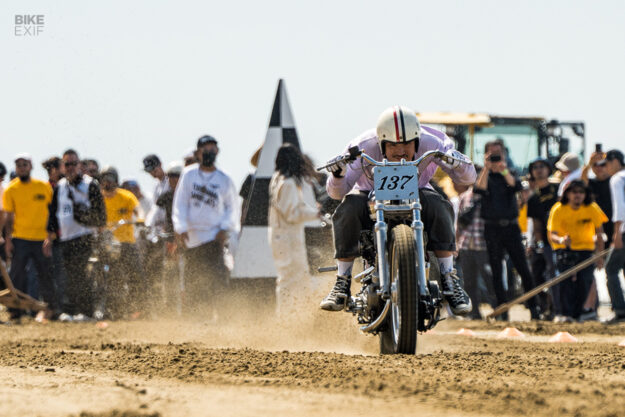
[{"x": 354, "y": 153}]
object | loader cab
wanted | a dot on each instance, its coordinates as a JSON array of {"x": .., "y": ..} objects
[{"x": 524, "y": 138}]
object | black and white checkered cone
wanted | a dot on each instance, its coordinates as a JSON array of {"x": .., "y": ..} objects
[{"x": 253, "y": 258}]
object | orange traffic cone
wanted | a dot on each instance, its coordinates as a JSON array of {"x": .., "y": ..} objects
[
  {"x": 562, "y": 337},
  {"x": 622, "y": 343},
  {"x": 510, "y": 332},
  {"x": 102, "y": 325},
  {"x": 465, "y": 332}
]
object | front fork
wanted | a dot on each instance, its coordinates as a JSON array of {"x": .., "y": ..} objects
[
  {"x": 417, "y": 227},
  {"x": 381, "y": 232}
]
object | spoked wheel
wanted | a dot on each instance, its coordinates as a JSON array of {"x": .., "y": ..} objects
[{"x": 400, "y": 333}]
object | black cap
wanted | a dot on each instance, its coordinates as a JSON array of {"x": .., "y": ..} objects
[
  {"x": 150, "y": 162},
  {"x": 615, "y": 154},
  {"x": 206, "y": 139},
  {"x": 3, "y": 170},
  {"x": 52, "y": 162}
]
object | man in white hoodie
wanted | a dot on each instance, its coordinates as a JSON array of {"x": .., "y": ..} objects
[{"x": 205, "y": 214}]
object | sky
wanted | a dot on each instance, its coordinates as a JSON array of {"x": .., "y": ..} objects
[{"x": 118, "y": 80}]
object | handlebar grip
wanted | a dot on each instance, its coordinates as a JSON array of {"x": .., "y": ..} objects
[{"x": 354, "y": 152}]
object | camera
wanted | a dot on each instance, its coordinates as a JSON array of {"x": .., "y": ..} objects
[{"x": 494, "y": 158}]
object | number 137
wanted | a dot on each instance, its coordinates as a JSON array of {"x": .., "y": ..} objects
[{"x": 394, "y": 182}]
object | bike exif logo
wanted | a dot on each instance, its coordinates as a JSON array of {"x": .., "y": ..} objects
[{"x": 29, "y": 24}]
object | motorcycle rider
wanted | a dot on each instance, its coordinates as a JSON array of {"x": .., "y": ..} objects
[{"x": 398, "y": 136}]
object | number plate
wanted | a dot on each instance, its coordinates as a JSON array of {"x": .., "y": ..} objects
[{"x": 396, "y": 182}]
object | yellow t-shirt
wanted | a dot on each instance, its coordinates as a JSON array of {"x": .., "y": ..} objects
[
  {"x": 579, "y": 224},
  {"x": 523, "y": 218},
  {"x": 120, "y": 206},
  {"x": 29, "y": 201}
]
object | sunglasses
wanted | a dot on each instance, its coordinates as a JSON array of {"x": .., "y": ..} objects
[{"x": 70, "y": 164}]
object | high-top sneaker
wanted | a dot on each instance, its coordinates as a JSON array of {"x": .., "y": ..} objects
[
  {"x": 456, "y": 296},
  {"x": 337, "y": 299}
]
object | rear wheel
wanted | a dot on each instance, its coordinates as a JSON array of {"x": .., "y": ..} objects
[{"x": 400, "y": 333}]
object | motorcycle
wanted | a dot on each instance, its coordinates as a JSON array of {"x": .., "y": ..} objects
[{"x": 399, "y": 294}]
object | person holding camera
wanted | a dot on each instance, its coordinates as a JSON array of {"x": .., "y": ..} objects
[
  {"x": 500, "y": 212},
  {"x": 600, "y": 187},
  {"x": 77, "y": 209}
]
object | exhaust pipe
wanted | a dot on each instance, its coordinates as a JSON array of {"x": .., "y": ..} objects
[{"x": 378, "y": 321}]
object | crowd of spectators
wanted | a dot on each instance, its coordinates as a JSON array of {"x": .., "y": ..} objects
[
  {"x": 536, "y": 226},
  {"x": 93, "y": 246}
]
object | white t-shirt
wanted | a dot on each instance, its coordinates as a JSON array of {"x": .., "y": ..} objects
[
  {"x": 617, "y": 191},
  {"x": 204, "y": 204}
]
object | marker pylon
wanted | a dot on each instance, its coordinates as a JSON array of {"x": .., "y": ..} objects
[
  {"x": 510, "y": 333},
  {"x": 466, "y": 332},
  {"x": 562, "y": 337}
]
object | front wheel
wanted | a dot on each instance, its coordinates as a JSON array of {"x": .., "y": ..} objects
[{"x": 400, "y": 333}]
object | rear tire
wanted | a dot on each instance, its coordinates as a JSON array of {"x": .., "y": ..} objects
[{"x": 400, "y": 333}]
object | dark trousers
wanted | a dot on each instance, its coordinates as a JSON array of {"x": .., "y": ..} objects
[
  {"x": 25, "y": 250},
  {"x": 124, "y": 289},
  {"x": 615, "y": 264},
  {"x": 474, "y": 267},
  {"x": 153, "y": 276},
  {"x": 501, "y": 239},
  {"x": 205, "y": 277},
  {"x": 130, "y": 268},
  {"x": 574, "y": 290},
  {"x": 58, "y": 274},
  {"x": 352, "y": 216},
  {"x": 544, "y": 269},
  {"x": 79, "y": 285}
]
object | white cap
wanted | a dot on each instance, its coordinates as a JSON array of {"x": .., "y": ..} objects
[
  {"x": 25, "y": 156},
  {"x": 174, "y": 168}
]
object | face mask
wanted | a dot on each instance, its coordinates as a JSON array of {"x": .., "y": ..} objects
[{"x": 208, "y": 158}]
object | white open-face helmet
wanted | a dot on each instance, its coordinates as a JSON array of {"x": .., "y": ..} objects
[{"x": 398, "y": 124}]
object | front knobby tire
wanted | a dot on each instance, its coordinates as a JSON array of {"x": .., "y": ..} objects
[{"x": 400, "y": 333}]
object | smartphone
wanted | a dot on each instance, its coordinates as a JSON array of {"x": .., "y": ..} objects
[
  {"x": 495, "y": 158},
  {"x": 598, "y": 147}
]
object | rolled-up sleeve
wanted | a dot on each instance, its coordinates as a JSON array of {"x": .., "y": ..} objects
[
  {"x": 338, "y": 187},
  {"x": 617, "y": 190},
  {"x": 464, "y": 174}
]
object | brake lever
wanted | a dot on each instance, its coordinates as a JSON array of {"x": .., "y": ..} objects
[{"x": 353, "y": 153}]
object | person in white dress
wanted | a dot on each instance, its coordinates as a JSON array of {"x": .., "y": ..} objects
[{"x": 288, "y": 213}]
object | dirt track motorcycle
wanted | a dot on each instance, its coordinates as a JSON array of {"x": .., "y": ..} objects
[{"x": 399, "y": 294}]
